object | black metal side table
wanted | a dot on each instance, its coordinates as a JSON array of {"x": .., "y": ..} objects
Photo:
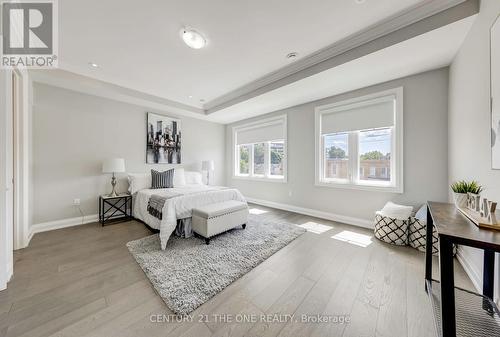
[{"x": 115, "y": 209}]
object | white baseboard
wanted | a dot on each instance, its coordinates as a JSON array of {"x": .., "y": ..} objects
[
  {"x": 470, "y": 269},
  {"x": 63, "y": 223},
  {"x": 4, "y": 279},
  {"x": 315, "y": 213}
]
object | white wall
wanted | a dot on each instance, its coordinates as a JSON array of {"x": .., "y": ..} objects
[
  {"x": 469, "y": 119},
  {"x": 425, "y": 152},
  {"x": 74, "y": 132}
]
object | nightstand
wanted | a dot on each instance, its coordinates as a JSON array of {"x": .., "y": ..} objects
[{"x": 115, "y": 209}]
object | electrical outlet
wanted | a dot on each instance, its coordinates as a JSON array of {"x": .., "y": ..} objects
[
  {"x": 76, "y": 202},
  {"x": 290, "y": 193}
]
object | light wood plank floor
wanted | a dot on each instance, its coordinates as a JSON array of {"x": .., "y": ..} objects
[{"x": 82, "y": 281}]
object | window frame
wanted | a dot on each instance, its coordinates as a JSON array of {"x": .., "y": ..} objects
[
  {"x": 353, "y": 181},
  {"x": 267, "y": 177}
]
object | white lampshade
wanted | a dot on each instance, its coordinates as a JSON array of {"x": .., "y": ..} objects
[
  {"x": 113, "y": 165},
  {"x": 207, "y": 165}
]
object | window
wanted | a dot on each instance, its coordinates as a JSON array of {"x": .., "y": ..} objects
[
  {"x": 260, "y": 150},
  {"x": 359, "y": 143},
  {"x": 276, "y": 158},
  {"x": 258, "y": 159},
  {"x": 375, "y": 153},
  {"x": 244, "y": 159},
  {"x": 336, "y": 154}
]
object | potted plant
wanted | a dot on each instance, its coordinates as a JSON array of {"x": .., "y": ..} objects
[{"x": 460, "y": 190}]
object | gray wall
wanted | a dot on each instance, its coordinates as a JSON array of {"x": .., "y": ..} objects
[
  {"x": 469, "y": 115},
  {"x": 74, "y": 132},
  {"x": 425, "y": 153}
]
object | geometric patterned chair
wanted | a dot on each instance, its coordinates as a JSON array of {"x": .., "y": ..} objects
[{"x": 390, "y": 230}]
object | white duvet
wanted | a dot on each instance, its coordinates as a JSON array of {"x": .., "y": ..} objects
[{"x": 180, "y": 207}]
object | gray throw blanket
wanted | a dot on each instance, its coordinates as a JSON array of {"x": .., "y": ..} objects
[{"x": 156, "y": 203}]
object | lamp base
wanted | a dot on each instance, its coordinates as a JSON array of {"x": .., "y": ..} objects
[{"x": 113, "y": 192}]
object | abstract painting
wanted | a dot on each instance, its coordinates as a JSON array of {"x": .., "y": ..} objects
[{"x": 163, "y": 143}]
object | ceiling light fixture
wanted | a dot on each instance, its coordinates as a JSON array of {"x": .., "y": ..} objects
[
  {"x": 193, "y": 39},
  {"x": 292, "y": 55},
  {"x": 359, "y": 2},
  {"x": 93, "y": 65}
]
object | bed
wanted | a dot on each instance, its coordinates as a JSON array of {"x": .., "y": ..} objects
[{"x": 187, "y": 193}]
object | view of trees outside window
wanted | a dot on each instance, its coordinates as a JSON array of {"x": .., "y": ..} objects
[
  {"x": 336, "y": 160},
  {"x": 259, "y": 159},
  {"x": 375, "y": 155},
  {"x": 244, "y": 151},
  {"x": 274, "y": 166},
  {"x": 277, "y": 153}
]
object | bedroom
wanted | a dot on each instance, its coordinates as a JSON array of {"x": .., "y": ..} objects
[{"x": 288, "y": 126}]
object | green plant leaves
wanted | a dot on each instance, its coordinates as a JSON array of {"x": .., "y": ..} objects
[{"x": 466, "y": 187}]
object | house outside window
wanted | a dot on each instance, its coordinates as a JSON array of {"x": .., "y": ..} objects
[{"x": 359, "y": 143}]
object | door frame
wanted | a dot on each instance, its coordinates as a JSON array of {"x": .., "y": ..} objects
[
  {"x": 6, "y": 128},
  {"x": 22, "y": 154},
  {"x": 15, "y": 154}
]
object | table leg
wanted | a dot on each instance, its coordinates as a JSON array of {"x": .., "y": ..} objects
[
  {"x": 428, "y": 249},
  {"x": 447, "y": 287},
  {"x": 488, "y": 272},
  {"x": 100, "y": 211}
]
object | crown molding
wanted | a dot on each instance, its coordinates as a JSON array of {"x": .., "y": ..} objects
[
  {"x": 415, "y": 21},
  {"x": 73, "y": 81}
]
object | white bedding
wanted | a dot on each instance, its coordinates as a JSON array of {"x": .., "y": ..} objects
[{"x": 180, "y": 207}]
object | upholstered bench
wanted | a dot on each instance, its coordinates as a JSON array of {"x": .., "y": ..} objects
[{"x": 213, "y": 219}]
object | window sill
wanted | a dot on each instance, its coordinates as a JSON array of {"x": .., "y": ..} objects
[
  {"x": 263, "y": 179},
  {"x": 361, "y": 187}
]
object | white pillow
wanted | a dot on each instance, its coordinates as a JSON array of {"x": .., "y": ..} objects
[
  {"x": 179, "y": 177},
  {"x": 422, "y": 214},
  {"x": 396, "y": 211},
  {"x": 138, "y": 181},
  {"x": 193, "y": 178}
]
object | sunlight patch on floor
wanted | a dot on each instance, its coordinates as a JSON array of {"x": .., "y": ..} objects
[
  {"x": 315, "y": 228},
  {"x": 257, "y": 211},
  {"x": 357, "y": 239}
]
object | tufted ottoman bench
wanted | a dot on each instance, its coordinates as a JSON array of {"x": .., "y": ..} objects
[{"x": 213, "y": 219}]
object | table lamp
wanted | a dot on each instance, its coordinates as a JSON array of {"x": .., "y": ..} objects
[
  {"x": 113, "y": 165},
  {"x": 208, "y": 165}
]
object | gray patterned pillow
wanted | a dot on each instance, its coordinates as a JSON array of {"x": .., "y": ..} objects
[{"x": 162, "y": 179}]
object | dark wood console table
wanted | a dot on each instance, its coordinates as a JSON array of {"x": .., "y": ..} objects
[{"x": 459, "y": 312}]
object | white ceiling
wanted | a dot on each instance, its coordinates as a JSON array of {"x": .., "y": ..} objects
[
  {"x": 137, "y": 43},
  {"x": 432, "y": 50}
]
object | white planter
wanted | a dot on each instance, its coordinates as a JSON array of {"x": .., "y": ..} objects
[{"x": 460, "y": 199}]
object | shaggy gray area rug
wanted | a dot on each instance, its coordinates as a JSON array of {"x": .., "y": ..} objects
[{"x": 188, "y": 272}]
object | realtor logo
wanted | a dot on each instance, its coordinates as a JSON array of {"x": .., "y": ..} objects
[{"x": 29, "y": 34}]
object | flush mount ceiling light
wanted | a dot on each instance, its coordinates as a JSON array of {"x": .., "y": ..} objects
[
  {"x": 359, "y": 2},
  {"x": 193, "y": 38},
  {"x": 93, "y": 65}
]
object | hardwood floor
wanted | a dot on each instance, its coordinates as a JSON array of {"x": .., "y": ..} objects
[{"x": 82, "y": 281}]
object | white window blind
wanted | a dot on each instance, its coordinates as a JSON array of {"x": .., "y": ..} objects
[
  {"x": 359, "y": 116},
  {"x": 261, "y": 133}
]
